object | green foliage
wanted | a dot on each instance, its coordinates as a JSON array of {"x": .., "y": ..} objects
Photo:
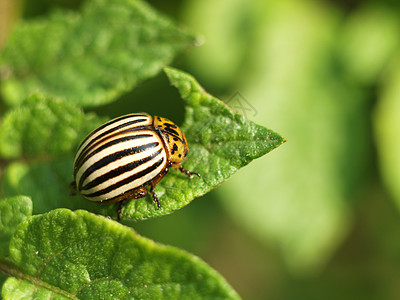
[
  {"x": 316, "y": 71},
  {"x": 90, "y": 57},
  {"x": 77, "y": 255}
]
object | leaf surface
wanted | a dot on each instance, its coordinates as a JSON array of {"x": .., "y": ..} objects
[
  {"x": 77, "y": 255},
  {"x": 12, "y": 212}
]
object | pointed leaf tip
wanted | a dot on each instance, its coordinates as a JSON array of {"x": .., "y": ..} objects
[{"x": 220, "y": 142}]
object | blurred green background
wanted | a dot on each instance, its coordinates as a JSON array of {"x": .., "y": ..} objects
[{"x": 318, "y": 218}]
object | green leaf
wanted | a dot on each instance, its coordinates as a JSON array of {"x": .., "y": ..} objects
[
  {"x": 220, "y": 142},
  {"x": 89, "y": 58},
  {"x": 77, "y": 255},
  {"x": 43, "y": 128},
  {"x": 12, "y": 212}
]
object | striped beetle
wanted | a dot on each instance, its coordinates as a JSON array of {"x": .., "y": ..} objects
[{"x": 117, "y": 160}]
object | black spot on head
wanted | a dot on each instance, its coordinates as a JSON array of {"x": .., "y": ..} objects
[
  {"x": 167, "y": 137},
  {"x": 174, "y": 148},
  {"x": 180, "y": 155},
  {"x": 159, "y": 126},
  {"x": 176, "y": 139},
  {"x": 159, "y": 119},
  {"x": 186, "y": 152}
]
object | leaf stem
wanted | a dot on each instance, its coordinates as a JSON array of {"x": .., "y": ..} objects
[{"x": 8, "y": 268}]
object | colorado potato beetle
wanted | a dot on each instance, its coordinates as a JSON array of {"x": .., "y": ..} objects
[{"x": 117, "y": 160}]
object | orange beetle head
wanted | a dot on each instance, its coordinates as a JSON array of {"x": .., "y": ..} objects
[{"x": 174, "y": 139}]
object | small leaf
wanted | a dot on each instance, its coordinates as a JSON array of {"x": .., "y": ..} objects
[
  {"x": 12, "y": 212},
  {"x": 77, "y": 255},
  {"x": 43, "y": 127},
  {"x": 89, "y": 58},
  {"x": 220, "y": 142}
]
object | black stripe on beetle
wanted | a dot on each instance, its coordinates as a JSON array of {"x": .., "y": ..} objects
[
  {"x": 120, "y": 170},
  {"x": 113, "y": 157},
  {"x": 127, "y": 180},
  {"x": 92, "y": 151},
  {"x": 110, "y": 122},
  {"x": 92, "y": 142}
]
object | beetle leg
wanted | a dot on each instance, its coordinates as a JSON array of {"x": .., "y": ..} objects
[
  {"x": 140, "y": 193},
  {"x": 155, "y": 182},
  {"x": 184, "y": 171},
  {"x": 137, "y": 193},
  {"x": 72, "y": 188},
  {"x": 155, "y": 198},
  {"x": 119, "y": 209}
]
